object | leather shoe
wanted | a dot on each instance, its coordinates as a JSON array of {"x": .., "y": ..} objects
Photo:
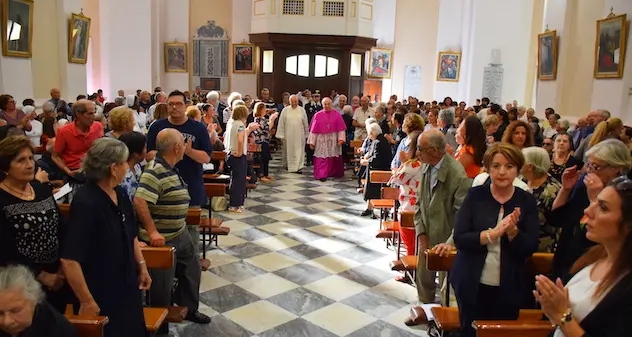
[
  {"x": 417, "y": 316},
  {"x": 198, "y": 317}
]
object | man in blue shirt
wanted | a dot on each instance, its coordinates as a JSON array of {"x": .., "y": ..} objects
[{"x": 198, "y": 151}]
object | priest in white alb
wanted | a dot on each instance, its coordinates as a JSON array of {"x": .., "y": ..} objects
[{"x": 293, "y": 129}]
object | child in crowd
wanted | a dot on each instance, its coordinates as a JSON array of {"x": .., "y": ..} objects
[
  {"x": 262, "y": 137},
  {"x": 236, "y": 143}
]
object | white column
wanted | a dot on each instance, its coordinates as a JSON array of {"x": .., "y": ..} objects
[
  {"x": 73, "y": 80},
  {"x": 126, "y": 46},
  {"x": 171, "y": 27},
  {"x": 453, "y": 15},
  {"x": 615, "y": 95},
  {"x": 384, "y": 32},
  {"x": 244, "y": 83},
  {"x": 415, "y": 30},
  {"x": 556, "y": 17},
  {"x": 508, "y": 30}
]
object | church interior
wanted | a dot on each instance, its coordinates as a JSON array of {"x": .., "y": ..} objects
[{"x": 273, "y": 168}]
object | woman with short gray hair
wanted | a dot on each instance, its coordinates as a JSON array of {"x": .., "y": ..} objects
[
  {"x": 445, "y": 121},
  {"x": 544, "y": 188},
  {"x": 103, "y": 262},
  {"x": 606, "y": 161},
  {"x": 24, "y": 309},
  {"x": 378, "y": 157}
]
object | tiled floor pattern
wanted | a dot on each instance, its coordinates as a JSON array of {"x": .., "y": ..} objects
[{"x": 301, "y": 262}]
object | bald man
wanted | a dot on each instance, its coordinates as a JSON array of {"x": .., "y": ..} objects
[
  {"x": 55, "y": 97},
  {"x": 360, "y": 116},
  {"x": 326, "y": 136},
  {"x": 162, "y": 204}
]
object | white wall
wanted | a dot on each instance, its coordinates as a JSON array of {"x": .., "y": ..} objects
[
  {"x": 503, "y": 25},
  {"x": 614, "y": 94},
  {"x": 453, "y": 18},
  {"x": 171, "y": 30},
  {"x": 17, "y": 77},
  {"x": 72, "y": 75},
  {"x": 384, "y": 32},
  {"x": 244, "y": 83},
  {"x": 126, "y": 48},
  {"x": 554, "y": 19},
  {"x": 415, "y": 30}
]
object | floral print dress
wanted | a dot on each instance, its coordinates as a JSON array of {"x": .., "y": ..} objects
[
  {"x": 545, "y": 195},
  {"x": 408, "y": 178}
]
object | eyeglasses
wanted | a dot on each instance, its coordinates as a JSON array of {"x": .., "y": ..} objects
[
  {"x": 595, "y": 168},
  {"x": 421, "y": 148},
  {"x": 175, "y": 104},
  {"x": 547, "y": 144},
  {"x": 621, "y": 183}
]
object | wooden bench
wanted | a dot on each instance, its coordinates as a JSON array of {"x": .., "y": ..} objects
[
  {"x": 88, "y": 326},
  {"x": 447, "y": 319},
  {"x": 162, "y": 258},
  {"x": 356, "y": 144},
  {"x": 388, "y": 199},
  {"x": 212, "y": 226},
  {"x": 64, "y": 210},
  {"x": 518, "y": 328}
]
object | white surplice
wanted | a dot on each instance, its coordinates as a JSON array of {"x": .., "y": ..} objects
[{"x": 293, "y": 129}]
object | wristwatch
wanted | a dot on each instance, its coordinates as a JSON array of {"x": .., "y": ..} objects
[{"x": 567, "y": 317}]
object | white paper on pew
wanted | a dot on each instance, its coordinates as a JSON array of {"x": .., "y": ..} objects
[
  {"x": 63, "y": 191},
  {"x": 427, "y": 310},
  {"x": 223, "y": 176},
  {"x": 208, "y": 167}
]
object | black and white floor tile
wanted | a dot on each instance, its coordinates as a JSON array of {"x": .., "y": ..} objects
[{"x": 300, "y": 261}]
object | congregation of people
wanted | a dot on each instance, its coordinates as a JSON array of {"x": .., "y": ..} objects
[{"x": 495, "y": 184}]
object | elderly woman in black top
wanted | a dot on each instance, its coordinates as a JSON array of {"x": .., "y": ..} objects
[
  {"x": 496, "y": 230},
  {"x": 30, "y": 226},
  {"x": 102, "y": 260},
  {"x": 377, "y": 158},
  {"x": 24, "y": 311},
  {"x": 606, "y": 161}
]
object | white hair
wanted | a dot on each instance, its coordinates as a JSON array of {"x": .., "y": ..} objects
[
  {"x": 233, "y": 97},
  {"x": 370, "y": 120},
  {"x": 19, "y": 277},
  {"x": 28, "y": 109},
  {"x": 62, "y": 122},
  {"x": 347, "y": 109},
  {"x": 48, "y": 107},
  {"x": 373, "y": 129},
  {"x": 539, "y": 158},
  {"x": 212, "y": 95},
  {"x": 613, "y": 152},
  {"x": 604, "y": 113}
]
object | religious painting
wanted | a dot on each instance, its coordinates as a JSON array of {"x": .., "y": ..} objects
[
  {"x": 78, "y": 39},
  {"x": 17, "y": 28},
  {"x": 610, "y": 46},
  {"x": 449, "y": 66},
  {"x": 175, "y": 57},
  {"x": 243, "y": 59},
  {"x": 381, "y": 63},
  {"x": 547, "y": 56}
]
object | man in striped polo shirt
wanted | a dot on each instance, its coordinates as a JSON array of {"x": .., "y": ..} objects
[{"x": 162, "y": 204}]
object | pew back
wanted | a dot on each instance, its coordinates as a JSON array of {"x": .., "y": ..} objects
[{"x": 88, "y": 326}]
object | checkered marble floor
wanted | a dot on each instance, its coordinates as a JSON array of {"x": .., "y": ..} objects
[{"x": 300, "y": 261}]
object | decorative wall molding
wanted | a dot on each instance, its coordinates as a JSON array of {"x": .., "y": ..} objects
[{"x": 210, "y": 58}]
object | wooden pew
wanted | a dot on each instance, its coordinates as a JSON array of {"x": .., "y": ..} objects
[
  {"x": 64, "y": 209},
  {"x": 161, "y": 258},
  {"x": 88, "y": 326},
  {"x": 382, "y": 177},
  {"x": 447, "y": 319},
  {"x": 356, "y": 144},
  {"x": 213, "y": 226},
  {"x": 519, "y": 328}
]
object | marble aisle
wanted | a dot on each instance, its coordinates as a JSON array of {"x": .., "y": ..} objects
[{"x": 300, "y": 261}]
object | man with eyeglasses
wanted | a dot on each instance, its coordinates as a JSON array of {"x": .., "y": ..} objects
[
  {"x": 443, "y": 187},
  {"x": 197, "y": 152},
  {"x": 547, "y": 144}
]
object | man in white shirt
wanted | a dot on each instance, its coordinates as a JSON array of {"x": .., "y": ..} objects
[
  {"x": 522, "y": 114},
  {"x": 35, "y": 134},
  {"x": 161, "y": 97},
  {"x": 359, "y": 118}
]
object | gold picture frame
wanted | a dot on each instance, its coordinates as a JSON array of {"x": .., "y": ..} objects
[
  {"x": 78, "y": 38},
  {"x": 15, "y": 41},
  {"x": 243, "y": 58},
  {"x": 176, "y": 57},
  {"x": 547, "y": 56},
  {"x": 380, "y": 63},
  {"x": 449, "y": 66},
  {"x": 610, "y": 53}
]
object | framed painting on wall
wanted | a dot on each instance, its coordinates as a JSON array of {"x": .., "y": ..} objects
[
  {"x": 547, "y": 55},
  {"x": 175, "y": 57},
  {"x": 381, "y": 63},
  {"x": 78, "y": 38},
  {"x": 243, "y": 58},
  {"x": 17, "y": 28},
  {"x": 610, "y": 46},
  {"x": 449, "y": 66}
]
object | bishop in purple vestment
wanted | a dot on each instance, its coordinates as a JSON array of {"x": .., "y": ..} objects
[{"x": 326, "y": 136}]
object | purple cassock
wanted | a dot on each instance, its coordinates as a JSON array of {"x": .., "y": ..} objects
[{"x": 326, "y": 130}]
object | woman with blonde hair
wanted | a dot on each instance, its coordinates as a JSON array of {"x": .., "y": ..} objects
[
  {"x": 194, "y": 113},
  {"x": 608, "y": 129},
  {"x": 121, "y": 121}
]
